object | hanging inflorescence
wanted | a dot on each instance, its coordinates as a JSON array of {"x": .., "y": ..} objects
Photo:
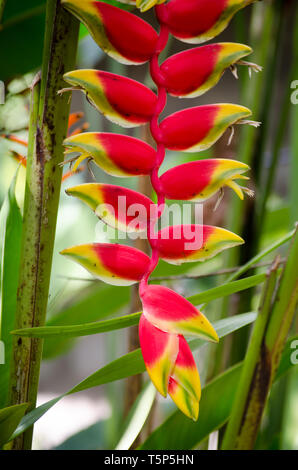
[{"x": 166, "y": 315}]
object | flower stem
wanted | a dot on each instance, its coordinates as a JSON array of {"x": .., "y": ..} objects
[{"x": 48, "y": 126}]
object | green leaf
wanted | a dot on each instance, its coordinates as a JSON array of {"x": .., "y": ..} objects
[
  {"x": 11, "y": 228},
  {"x": 215, "y": 408},
  {"x": 226, "y": 326},
  {"x": 127, "y": 365},
  {"x": 33, "y": 416},
  {"x": 227, "y": 289},
  {"x": 130, "y": 320},
  {"x": 98, "y": 302},
  {"x": 9, "y": 420}
]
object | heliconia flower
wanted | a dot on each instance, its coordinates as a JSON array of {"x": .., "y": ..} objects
[
  {"x": 193, "y": 72},
  {"x": 166, "y": 316},
  {"x": 122, "y": 35},
  {"x": 196, "y": 129},
  {"x": 200, "y": 179},
  {"x": 116, "y": 154},
  {"x": 172, "y": 313},
  {"x": 197, "y": 21},
  {"x": 159, "y": 350},
  {"x": 122, "y": 100},
  {"x": 119, "y": 265},
  {"x": 121, "y": 208},
  {"x": 188, "y": 243}
]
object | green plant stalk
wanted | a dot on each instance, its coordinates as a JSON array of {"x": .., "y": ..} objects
[
  {"x": 251, "y": 360},
  {"x": 48, "y": 128},
  {"x": 274, "y": 337}
]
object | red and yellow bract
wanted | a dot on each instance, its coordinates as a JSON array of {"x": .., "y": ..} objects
[{"x": 167, "y": 316}]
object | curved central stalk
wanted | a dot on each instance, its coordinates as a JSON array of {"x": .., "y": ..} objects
[{"x": 158, "y": 79}]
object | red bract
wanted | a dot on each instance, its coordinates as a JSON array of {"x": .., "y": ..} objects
[
  {"x": 166, "y": 315},
  {"x": 117, "y": 155},
  {"x": 187, "y": 243},
  {"x": 122, "y": 100},
  {"x": 196, "y": 129},
  {"x": 198, "y": 21},
  {"x": 191, "y": 73},
  {"x": 201, "y": 179},
  {"x": 118, "y": 207},
  {"x": 120, "y": 34},
  {"x": 115, "y": 264},
  {"x": 172, "y": 313}
]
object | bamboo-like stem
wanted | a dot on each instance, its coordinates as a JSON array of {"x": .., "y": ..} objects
[
  {"x": 263, "y": 358},
  {"x": 43, "y": 180}
]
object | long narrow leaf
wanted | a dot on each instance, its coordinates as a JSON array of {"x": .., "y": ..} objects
[{"x": 130, "y": 320}]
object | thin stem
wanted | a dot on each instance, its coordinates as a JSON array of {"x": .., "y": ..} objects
[{"x": 43, "y": 180}]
